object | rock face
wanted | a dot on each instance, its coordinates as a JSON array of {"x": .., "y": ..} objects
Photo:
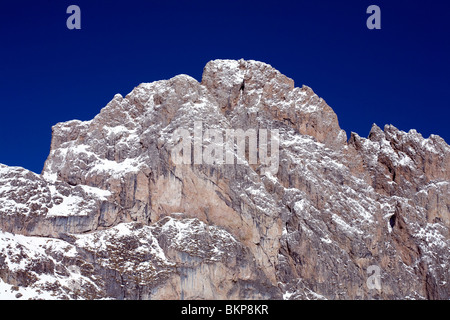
[{"x": 112, "y": 215}]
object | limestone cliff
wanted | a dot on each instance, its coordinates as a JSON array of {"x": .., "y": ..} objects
[{"x": 112, "y": 215}]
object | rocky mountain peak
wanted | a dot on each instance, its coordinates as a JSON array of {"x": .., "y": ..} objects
[{"x": 115, "y": 215}]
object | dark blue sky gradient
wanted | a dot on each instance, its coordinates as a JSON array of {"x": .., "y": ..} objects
[{"x": 397, "y": 75}]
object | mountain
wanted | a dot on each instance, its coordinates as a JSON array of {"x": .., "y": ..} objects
[{"x": 152, "y": 200}]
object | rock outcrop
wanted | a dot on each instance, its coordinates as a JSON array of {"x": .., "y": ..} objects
[{"x": 113, "y": 215}]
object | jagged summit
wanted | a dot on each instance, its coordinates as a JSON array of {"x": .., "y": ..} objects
[{"x": 113, "y": 215}]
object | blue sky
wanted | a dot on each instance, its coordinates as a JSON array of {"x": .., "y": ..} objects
[{"x": 48, "y": 74}]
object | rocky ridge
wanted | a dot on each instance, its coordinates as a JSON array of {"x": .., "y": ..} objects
[{"x": 113, "y": 216}]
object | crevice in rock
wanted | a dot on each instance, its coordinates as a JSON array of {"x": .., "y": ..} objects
[{"x": 392, "y": 220}]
